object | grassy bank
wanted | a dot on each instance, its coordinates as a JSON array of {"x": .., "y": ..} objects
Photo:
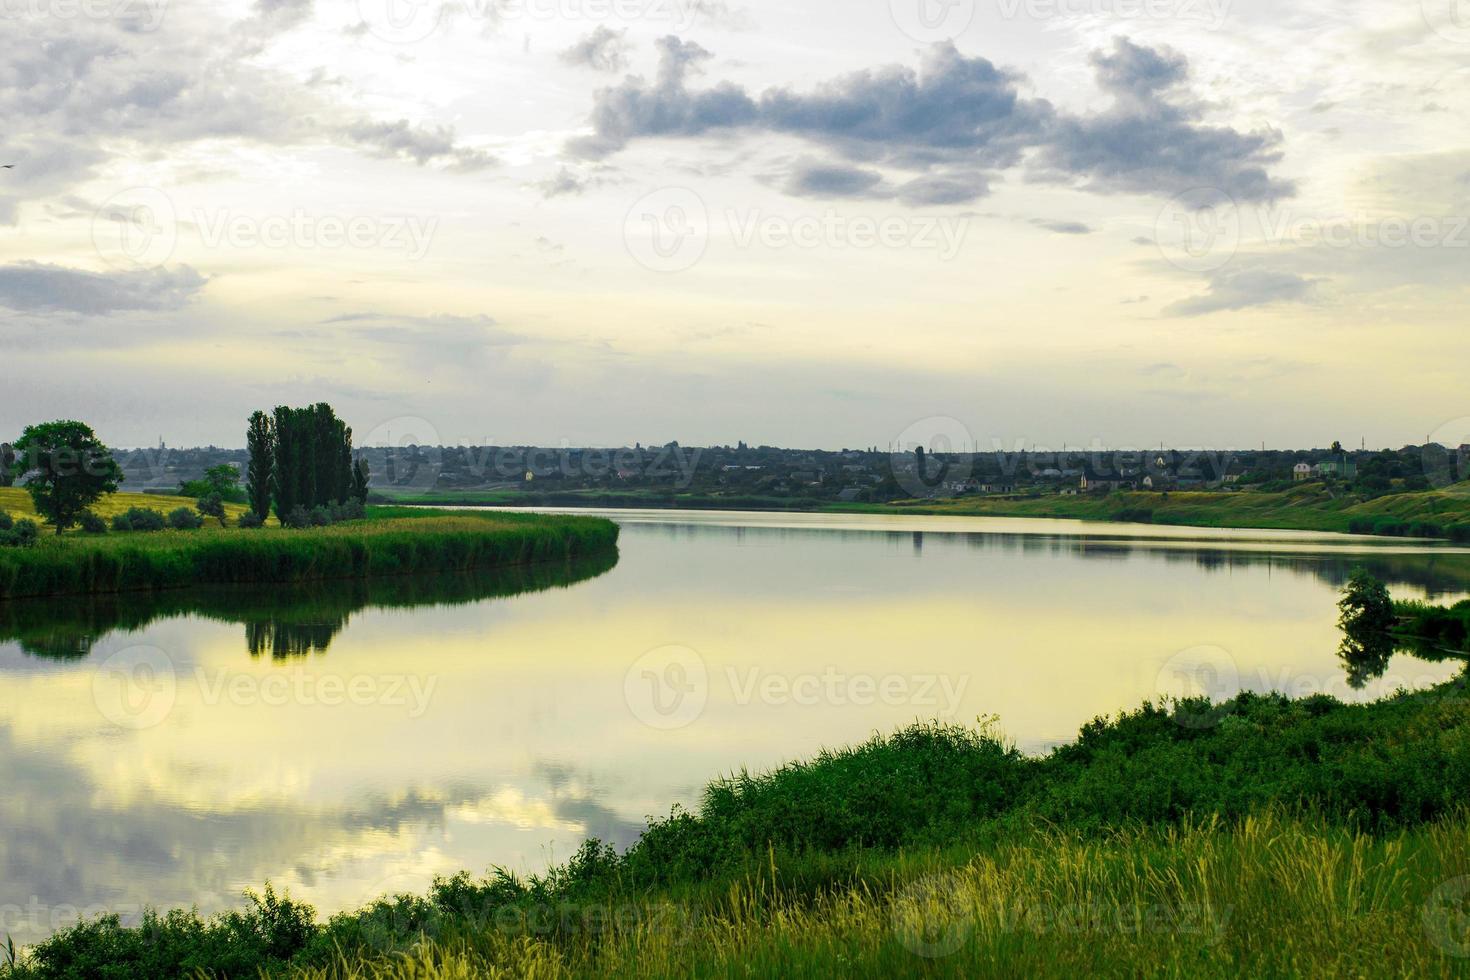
[
  {"x": 1259, "y": 836},
  {"x": 1309, "y": 507},
  {"x": 390, "y": 541}
]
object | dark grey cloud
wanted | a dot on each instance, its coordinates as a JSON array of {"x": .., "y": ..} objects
[
  {"x": 832, "y": 180},
  {"x": 421, "y": 144},
  {"x": 956, "y": 119},
  {"x": 602, "y": 50},
  {"x": 1237, "y": 289},
  {"x": 1063, "y": 227},
  {"x": 36, "y": 287}
]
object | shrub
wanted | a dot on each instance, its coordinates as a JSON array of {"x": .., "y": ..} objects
[
  {"x": 185, "y": 519},
  {"x": 1390, "y": 525},
  {"x": 6, "y": 521},
  {"x": 21, "y": 534},
  {"x": 212, "y": 505},
  {"x": 250, "y": 519},
  {"x": 92, "y": 524},
  {"x": 1458, "y": 532},
  {"x": 1361, "y": 525},
  {"x": 1425, "y": 529},
  {"x": 320, "y": 516},
  {"x": 139, "y": 519},
  {"x": 297, "y": 517},
  {"x": 1135, "y": 515}
]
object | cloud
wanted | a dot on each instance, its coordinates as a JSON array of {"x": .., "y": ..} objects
[
  {"x": 1237, "y": 289},
  {"x": 1063, "y": 227},
  {"x": 562, "y": 183},
  {"x": 421, "y": 144},
  {"x": 825, "y": 180},
  {"x": 955, "y": 119},
  {"x": 36, "y": 287},
  {"x": 603, "y": 50}
]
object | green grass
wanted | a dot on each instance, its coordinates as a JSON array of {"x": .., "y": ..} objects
[
  {"x": 1259, "y": 836},
  {"x": 1308, "y": 507},
  {"x": 391, "y": 541}
]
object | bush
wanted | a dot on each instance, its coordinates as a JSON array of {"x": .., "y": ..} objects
[
  {"x": 1458, "y": 532},
  {"x": 20, "y": 534},
  {"x": 212, "y": 505},
  {"x": 320, "y": 516},
  {"x": 139, "y": 519},
  {"x": 1391, "y": 526},
  {"x": 297, "y": 518},
  {"x": 6, "y": 521},
  {"x": 92, "y": 524},
  {"x": 250, "y": 519},
  {"x": 1425, "y": 529},
  {"x": 1361, "y": 525},
  {"x": 185, "y": 519},
  {"x": 1135, "y": 515}
]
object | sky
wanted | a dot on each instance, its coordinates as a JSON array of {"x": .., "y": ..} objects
[{"x": 1046, "y": 223}]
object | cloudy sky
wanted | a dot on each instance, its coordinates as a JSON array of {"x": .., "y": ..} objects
[{"x": 1057, "y": 222}]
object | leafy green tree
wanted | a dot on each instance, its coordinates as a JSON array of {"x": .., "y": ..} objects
[
  {"x": 7, "y": 464},
  {"x": 222, "y": 481},
  {"x": 360, "y": 476},
  {"x": 260, "y": 442},
  {"x": 212, "y": 506},
  {"x": 70, "y": 469}
]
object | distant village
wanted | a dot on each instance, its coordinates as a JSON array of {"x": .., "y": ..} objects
[{"x": 868, "y": 475}]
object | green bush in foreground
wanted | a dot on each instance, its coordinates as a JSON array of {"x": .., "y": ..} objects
[
  {"x": 139, "y": 519},
  {"x": 1260, "y": 834},
  {"x": 184, "y": 519}
]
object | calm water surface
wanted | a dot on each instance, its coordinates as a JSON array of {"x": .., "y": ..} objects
[{"x": 349, "y": 741}]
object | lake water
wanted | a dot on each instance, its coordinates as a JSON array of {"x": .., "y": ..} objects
[{"x": 352, "y": 740}]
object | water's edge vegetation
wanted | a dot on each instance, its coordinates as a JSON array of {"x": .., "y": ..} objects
[
  {"x": 1261, "y": 835},
  {"x": 390, "y": 541}
]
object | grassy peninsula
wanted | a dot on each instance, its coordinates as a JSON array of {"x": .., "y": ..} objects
[{"x": 388, "y": 541}]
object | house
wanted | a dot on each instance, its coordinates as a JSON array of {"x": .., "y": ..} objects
[
  {"x": 1103, "y": 484},
  {"x": 1301, "y": 471},
  {"x": 1342, "y": 469}
]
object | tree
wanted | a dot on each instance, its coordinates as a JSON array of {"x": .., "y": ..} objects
[
  {"x": 1365, "y": 616},
  {"x": 312, "y": 459},
  {"x": 7, "y": 463},
  {"x": 259, "y": 441},
  {"x": 222, "y": 481},
  {"x": 212, "y": 506},
  {"x": 70, "y": 469},
  {"x": 360, "y": 475}
]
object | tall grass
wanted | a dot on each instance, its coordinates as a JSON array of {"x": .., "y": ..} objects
[{"x": 390, "y": 542}]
